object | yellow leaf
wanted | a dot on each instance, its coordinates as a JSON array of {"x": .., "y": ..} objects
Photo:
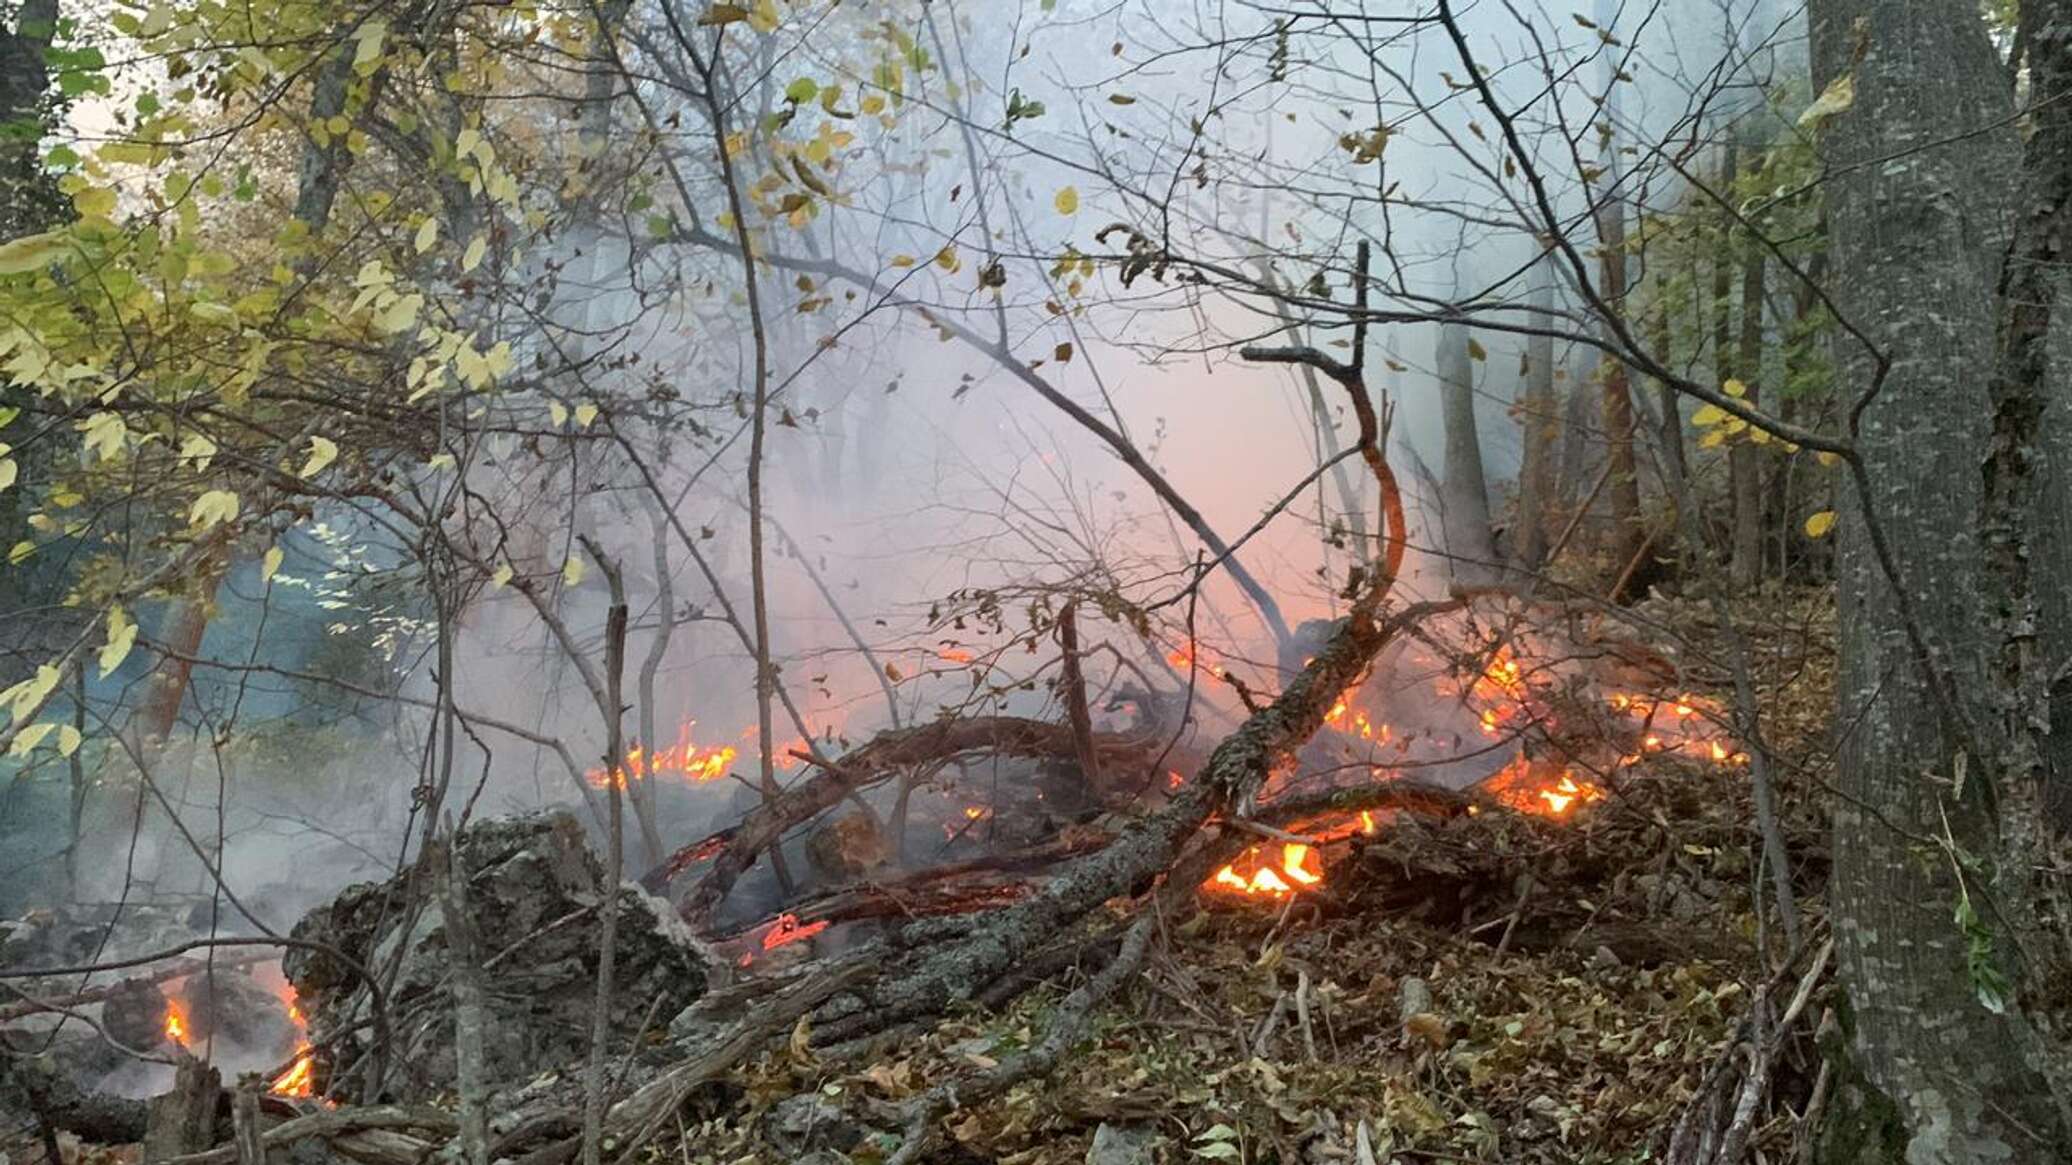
[
  {"x": 1735, "y": 389},
  {"x": 585, "y": 413},
  {"x": 475, "y": 251},
  {"x": 68, "y": 740},
  {"x": 105, "y": 434},
  {"x": 322, "y": 451},
  {"x": 8, "y": 471},
  {"x": 764, "y": 17},
  {"x": 94, "y": 202},
  {"x": 1819, "y": 524},
  {"x": 1759, "y": 435},
  {"x": 1713, "y": 439},
  {"x": 367, "y": 57},
  {"x": 122, "y": 634},
  {"x": 502, "y": 576},
  {"x": 271, "y": 564},
  {"x": 197, "y": 450},
  {"x": 897, "y": 260},
  {"x": 217, "y": 505},
  {"x": 27, "y": 697},
  {"x": 1708, "y": 415},
  {"x": 558, "y": 412},
  {"x": 1839, "y": 95},
  {"x": 439, "y": 461},
  {"x": 1476, "y": 351},
  {"x": 1826, "y": 458},
  {"x": 572, "y": 570},
  {"x": 947, "y": 259},
  {"x": 1067, "y": 201},
  {"x": 20, "y": 552},
  {"x": 427, "y": 235},
  {"x": 29, "y": 738}
]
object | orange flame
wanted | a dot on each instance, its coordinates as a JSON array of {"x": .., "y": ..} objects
[
  {"x": 788, "y": 929},
  {"x": 175, "y": 1022},
  {"x": 686, "y": 760},
  {"x": 1299, "y": 866}
]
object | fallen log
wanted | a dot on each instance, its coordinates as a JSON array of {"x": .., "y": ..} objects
[
  {"x": 732, "y": 851},
  {"x": 336, "y": 1123},
  {"x": 178, "y": 969}
]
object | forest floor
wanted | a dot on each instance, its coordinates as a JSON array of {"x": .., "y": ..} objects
[{"x": 1488, "y": 988}]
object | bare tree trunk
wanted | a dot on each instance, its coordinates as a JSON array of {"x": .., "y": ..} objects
[
  {"x": 1464, "y": 492},
  {"x": 615, "y": 861},
  {"x": 1540, "y": 426},
  {"x": 1744, "y": 461},
  {"x": 1915, "y": 245},
  {"x": 1670, "y": 433}
]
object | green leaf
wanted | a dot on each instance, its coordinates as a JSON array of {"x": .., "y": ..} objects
[
  {"x": 427, "y": 234},
  {"x": 31, "y": 253},
  {"x": 802, "y": 90}
]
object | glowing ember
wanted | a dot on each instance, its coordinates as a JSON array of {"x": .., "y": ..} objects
[
  {"x": 1299, "y": 866},
  {"x": 788, "y": 929},
  {"x": 686, "y": 760}
]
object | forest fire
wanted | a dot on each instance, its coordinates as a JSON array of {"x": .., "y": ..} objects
[
  {"x": 1299, "y": 866},
  {"x": 300, "y": 1078},
  {"x": 686, "y": 760},
  {"x": 175, "y": 1021}
]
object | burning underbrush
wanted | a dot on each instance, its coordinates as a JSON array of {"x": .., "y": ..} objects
[{"x": 1508, "y": 871}]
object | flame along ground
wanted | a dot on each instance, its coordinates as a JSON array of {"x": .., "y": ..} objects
[
  {"x": 298, "y": 1080},
  {"x": 1507, "y": 696},
  {"x": 1504, "y": 700}
]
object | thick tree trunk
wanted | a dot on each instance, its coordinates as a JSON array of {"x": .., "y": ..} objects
[
  {"x": 1464, "y": 493},
  {"x": 1919, "y": 172}
]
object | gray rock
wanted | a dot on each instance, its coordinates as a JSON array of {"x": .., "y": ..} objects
[{"x": 1124, "y": 1145}]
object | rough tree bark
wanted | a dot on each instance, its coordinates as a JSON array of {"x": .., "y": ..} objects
[{"x": 1919, "y": 170}]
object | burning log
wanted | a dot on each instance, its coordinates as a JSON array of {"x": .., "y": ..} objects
[
  {"x": 961, "y": 962},
  {"x": 733, "y": 851}
]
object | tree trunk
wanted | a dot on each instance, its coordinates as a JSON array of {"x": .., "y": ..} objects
[
  {"x": 1464, "y": 493},
  {"x": 1745, "y": 460},
  {"x": 1540, "y": 426},
  {"x": 1919, "y": 170},
  {"x": 1628, "y": 539}
]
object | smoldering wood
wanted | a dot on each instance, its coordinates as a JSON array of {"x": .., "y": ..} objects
[
  {"x": 532, "y": 884},
  {"x": 183, "y": 1119},
  {"x": 733, "y": 850}
]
